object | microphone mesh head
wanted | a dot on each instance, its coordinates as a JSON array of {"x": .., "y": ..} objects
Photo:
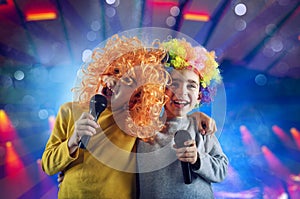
[
  {"x": 98, "y": 102},
  {"x": 180, "y": 137}
]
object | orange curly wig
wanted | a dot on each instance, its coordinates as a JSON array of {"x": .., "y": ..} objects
[{"x": 120, "y": 55}]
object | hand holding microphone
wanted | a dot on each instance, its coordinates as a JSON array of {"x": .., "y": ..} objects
[
  {"x": 187, "y": 154},
  {"x": 98, "y": 104},
  {"x": 86, "y": 125}
]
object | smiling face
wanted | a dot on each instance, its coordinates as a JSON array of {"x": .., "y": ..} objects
[{"x": 183, "y": 93}]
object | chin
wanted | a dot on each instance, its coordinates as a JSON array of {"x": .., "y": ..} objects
[{"x": 117, "y": 106}]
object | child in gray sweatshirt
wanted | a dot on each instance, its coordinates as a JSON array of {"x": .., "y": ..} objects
[{"x": 192, "y": 69}]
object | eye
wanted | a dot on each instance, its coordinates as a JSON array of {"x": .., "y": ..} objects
[
  {"x": 127, "y": 80},
  {"x": 192, "y": 86},
  {"x": 173, "y": 86},
  {"x": 116, "y": 71}
]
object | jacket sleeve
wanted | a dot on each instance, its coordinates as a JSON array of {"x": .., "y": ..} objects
[
  {"x": 56, "y": 155},
  {"x": 212, "y": 162}
]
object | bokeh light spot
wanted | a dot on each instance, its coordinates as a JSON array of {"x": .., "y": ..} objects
[
  {"x": 170, "y": 21},
  {"x": 43, "y": 114},
  {"x": 86, "y": 55},
  {"x": 276, "y": 45},
  {"x": 240, "y": 24},
  {"x": 91, "y": 36},
  {"x": 19, "y": 75},
  {"x": 270, "y": 29},
  {"x": 110, "y": 2},
  {"x": 240, "y": 9},
  {"x": 260, "y": 79},
  {"x": 174, "y": 11},
  {"x": 95, "y": 26},
  {"x": 29, "y": 100},
  {"x": 110, "y": 12}
]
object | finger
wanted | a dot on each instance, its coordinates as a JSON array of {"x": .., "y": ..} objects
[
  {"x": 186, "y": 154},
  {"x": 86, "y": 115},
  {"x": 208, "y": 126},
  {"x": 181, "y": 150},
  {"x": 86, "y": 130},
  {"x": 83, "y": 129},
  {"x": 191, "y": 152},
  {"x": 212, "y": 127},
  {"x": 203, "y": 129},
  {"x": 191, "y": 160},
  {"x": 87, "y": 122},
  {"x": 204, "y": 125},
  {"x": 180, "y": 155},
  {"x": 191, "y": 147},
  {"x": 191, "y": 155},
  {"x": 215, "y": 127},
  {"x": 189, "y": 143},
  {"x": 198, "y": 117},
  {"x": 202, "y": 122}
]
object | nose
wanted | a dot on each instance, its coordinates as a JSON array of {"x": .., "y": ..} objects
[{"x": 181, "y": 90}]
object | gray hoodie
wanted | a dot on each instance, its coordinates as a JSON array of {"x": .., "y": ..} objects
[{"x": 160, "y": 172}]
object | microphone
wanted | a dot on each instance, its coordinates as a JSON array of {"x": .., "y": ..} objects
[
  {"x": 98, "y": 104},
  {"x": 180, "y": 137}
]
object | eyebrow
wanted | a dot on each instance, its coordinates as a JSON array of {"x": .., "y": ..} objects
[
  {"x": 189, "y": 80},
  {"x": 192, "y": 81}
]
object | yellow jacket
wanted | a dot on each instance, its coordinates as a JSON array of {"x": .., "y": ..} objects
[{"x": 106, "y": 169}]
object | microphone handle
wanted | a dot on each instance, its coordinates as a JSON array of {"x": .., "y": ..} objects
[
  {"x": 86, "y": 138},
  {"x": 84, "y": 141},
  {"x": 186, "y": 171}
]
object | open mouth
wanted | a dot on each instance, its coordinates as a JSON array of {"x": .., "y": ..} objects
[
  {"x": 180, "y": 103},
  {"x": 107, "y": 91}
]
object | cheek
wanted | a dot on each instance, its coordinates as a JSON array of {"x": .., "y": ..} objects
[
  {"x": 196, "y": 96},
  {"x": 169, "y": 92},
  {"x": 168, "y": 107}
]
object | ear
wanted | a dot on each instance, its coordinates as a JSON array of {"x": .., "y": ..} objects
[{"x": 199, "y": 97}]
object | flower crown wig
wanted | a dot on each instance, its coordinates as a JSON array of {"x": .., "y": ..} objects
[{"x": 182, "y": 55}]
